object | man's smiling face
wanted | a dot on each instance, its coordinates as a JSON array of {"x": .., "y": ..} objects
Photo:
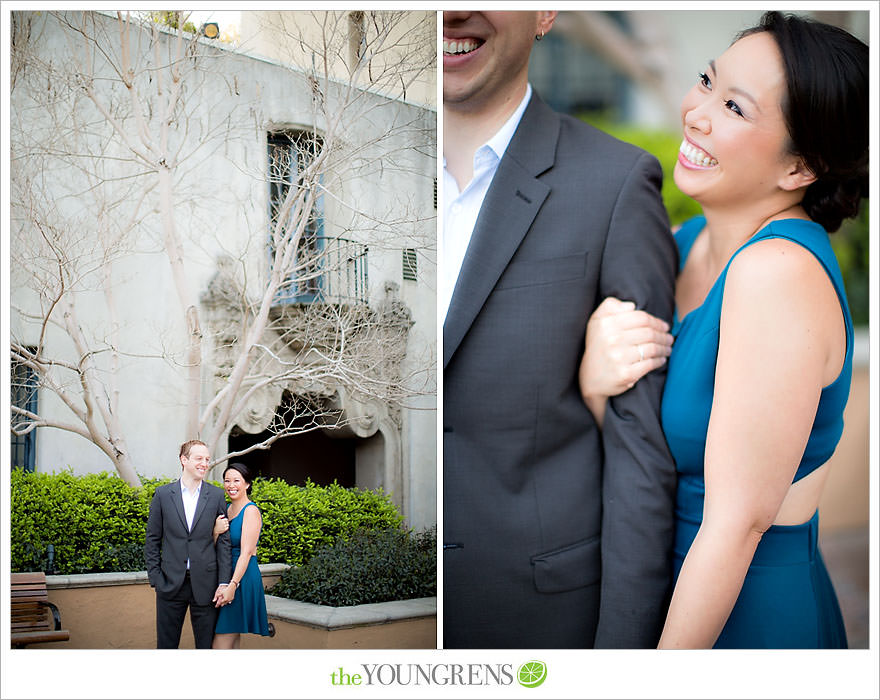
[
  {"x": 195, "y": 464},
  {"x": 486, "y": 55}
]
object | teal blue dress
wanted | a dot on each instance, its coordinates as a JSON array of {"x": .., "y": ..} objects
[
  {"x": 787, "y": 600},
  {"x": 247, "y": 611}
]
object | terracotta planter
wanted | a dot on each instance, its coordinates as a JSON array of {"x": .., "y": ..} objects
[{"x": 88, "y": 601}]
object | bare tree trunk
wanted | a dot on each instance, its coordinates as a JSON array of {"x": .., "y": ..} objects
[{"x": 174, "y": 249}]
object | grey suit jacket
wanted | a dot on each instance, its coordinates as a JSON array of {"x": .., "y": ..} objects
[
  {"x": 556, "y": 534},
  {"x": 169, "y": 543}
]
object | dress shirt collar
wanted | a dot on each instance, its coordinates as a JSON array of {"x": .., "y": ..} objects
[
  {"x": 501, "y": 140},
  {"x": 195, "y": 492}
]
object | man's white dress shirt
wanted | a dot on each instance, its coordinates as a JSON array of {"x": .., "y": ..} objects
[
  {"x": 190, "y": 501},
  {"x": 461, "y": 209}
]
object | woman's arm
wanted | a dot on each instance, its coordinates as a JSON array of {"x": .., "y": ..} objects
[
  {"x": 251, "y": 525},
  {"x": 612, "y": 362},
  {"x": 773, "y": 352},
  {"x": 221, "y": 525}
]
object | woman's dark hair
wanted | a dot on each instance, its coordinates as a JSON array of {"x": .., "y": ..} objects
[
  {"x": 244, "y": 471},
  {"x": 825, "y": 110}
]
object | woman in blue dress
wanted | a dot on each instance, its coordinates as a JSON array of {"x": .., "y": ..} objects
[
  {"x": 775, "y": 151},
  {"x": 243, "y": 601}
]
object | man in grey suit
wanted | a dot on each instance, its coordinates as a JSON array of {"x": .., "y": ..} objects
[
  {"x": 556, "y": 533},
  {"x": 184, "y": 565}
]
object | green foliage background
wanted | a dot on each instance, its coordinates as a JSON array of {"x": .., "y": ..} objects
[
  {"x": 370, "y": 567},
  {"x": 850, "y": 243},
  {"x": 96, "y": 522}
]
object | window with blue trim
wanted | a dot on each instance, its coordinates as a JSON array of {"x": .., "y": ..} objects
[
  {"x": 290, "y": 152},
  {"x": 23, "y": 389}
]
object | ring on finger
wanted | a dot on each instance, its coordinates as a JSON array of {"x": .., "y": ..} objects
[{"x": 641, "y": 353}]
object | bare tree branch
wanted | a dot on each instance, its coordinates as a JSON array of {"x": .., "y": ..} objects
[{"x": 118, "y": 126}]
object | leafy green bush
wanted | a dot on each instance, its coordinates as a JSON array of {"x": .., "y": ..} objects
[
  {"x": 368, "y": 567},
  {"x": 850, "y": 243},
  {"x": 298, "y": 520},
  {"x": 97, "y": 522},
  {"x": 88, "y": 520}
]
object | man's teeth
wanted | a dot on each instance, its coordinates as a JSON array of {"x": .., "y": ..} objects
[
  {"x": 458, "y": 47},
  {"x": 696, "y": 156}
]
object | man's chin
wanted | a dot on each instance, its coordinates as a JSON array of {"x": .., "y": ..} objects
[{"x": 462, "y": 97}]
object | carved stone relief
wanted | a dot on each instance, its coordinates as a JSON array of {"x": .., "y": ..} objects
[{"x": 300, "y": 337}]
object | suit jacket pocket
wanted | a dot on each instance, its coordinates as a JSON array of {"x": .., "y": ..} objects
[
  {"x": 568, "y": 568},
  {"x": 530, "y": 273}
]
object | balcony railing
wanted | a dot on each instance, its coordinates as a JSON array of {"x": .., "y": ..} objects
[{"x": 328, "y": 270}]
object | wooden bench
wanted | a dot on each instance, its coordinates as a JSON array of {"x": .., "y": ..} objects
[{"x": 34, "y": 619}]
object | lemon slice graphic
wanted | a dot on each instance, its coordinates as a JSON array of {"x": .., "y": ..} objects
[{"x": 532, "y": 673}]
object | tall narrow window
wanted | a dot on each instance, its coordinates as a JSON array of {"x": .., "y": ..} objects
[
  {"x": 290, "y": 153},
  {"x": 23, "y": 390}
]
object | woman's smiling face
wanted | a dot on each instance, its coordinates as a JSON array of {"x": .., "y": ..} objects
[
  {"x": 735, "y": 146},
  {"x": 234, "y": 484}
]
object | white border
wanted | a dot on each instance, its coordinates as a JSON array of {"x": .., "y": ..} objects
[{"x": 572, "y": 674}]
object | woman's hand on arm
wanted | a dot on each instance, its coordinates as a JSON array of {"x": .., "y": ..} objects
[
  {"x": 621, "y": 345},
  {"x": 221, "y": 525},
  {"x": 769, "y": 375}
]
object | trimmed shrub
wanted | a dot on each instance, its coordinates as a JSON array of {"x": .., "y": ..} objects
[
  {"x": 298, "y": 520},
  {"x": 89, "y": 520},
  {"x": 368, "y": 567},
  {"x": 96, "y": 523}
]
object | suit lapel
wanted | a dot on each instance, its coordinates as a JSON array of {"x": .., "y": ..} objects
[
  {"x": 201, "y": 504},
  {"x": 511, "y": 204},
  {"x": 177, "y": 498}
]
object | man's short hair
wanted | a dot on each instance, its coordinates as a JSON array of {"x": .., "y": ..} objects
[{"x": 188, "y": 445}]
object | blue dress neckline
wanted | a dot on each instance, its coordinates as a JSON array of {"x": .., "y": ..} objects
[
  {"x": 678, "y": 323},
  {"x": 249, "y": 503},
  {"x": 686, "y": 249}
]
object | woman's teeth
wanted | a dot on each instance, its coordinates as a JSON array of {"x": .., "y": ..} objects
[{"x": 696, "y": 156}]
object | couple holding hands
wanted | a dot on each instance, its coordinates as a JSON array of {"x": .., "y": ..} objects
[{"x": 202, "y": 557}]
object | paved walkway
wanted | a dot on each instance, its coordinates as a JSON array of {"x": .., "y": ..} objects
[{"x": 846, "y": 556}]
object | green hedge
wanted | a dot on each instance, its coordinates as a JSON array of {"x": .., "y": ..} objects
[
  {"x": 297, "y": 521},
  {"x": 369, "y": 567},
  {"x": 96, "y": 522},
  {"x": 850, "y": 243},
  {"x": 89, "y": 520}
]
